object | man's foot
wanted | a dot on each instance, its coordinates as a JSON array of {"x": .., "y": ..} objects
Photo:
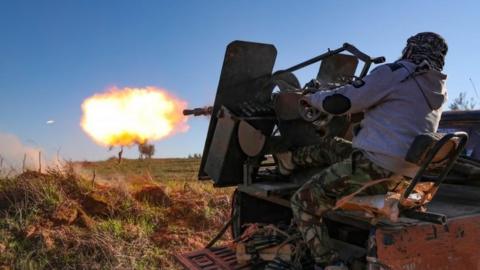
[
  {"x": 340, "y": 266},
  {"x": 332, "y": 262},
  {"x": 336, "y": 267},
  {"x": 285, "y": 163},
  {"x": 279, "y": 263}
]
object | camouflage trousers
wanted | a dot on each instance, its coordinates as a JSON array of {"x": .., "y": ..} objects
[{"x": 346, "y": 171}]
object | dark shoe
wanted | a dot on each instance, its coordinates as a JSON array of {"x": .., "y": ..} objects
[
  {"x": 279, "y": 264},
  {"x": 335, "y": 263},
  {"x": 331, "y": 267},
  {"x": 339, "y": 265}
]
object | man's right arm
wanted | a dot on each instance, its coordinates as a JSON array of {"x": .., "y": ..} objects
[{"x": 356, "y": 97}]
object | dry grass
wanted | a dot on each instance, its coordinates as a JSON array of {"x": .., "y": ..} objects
[
  {"x": 134, "y": 216},
  {"x": 181, "y": 169}
]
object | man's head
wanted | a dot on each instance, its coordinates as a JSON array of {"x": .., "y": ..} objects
[{"x": 426, "y": 46}]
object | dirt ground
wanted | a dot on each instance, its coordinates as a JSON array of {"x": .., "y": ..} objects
[{"x": 105, "y": 215}]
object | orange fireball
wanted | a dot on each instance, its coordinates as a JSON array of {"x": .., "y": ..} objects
[{"x": 122, "y": 117}]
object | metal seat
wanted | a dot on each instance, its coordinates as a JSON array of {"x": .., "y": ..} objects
[
  {"x": 435, "y": 154},
  {"x": 438, "y": 158}
]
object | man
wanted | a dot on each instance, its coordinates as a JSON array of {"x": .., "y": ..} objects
[{"x": 399, "y": 100}]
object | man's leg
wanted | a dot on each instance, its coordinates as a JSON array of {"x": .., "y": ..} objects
[
  {"x": 319, "y": 195},
  {"x": 327, "y": 152}
]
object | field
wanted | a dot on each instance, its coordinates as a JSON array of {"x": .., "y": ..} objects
[{"x": 105, "y": 215}]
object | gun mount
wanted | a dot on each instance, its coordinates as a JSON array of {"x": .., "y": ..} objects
[
  {"x": 255, "y": 115},
  {"x": 255, "y": 102}
]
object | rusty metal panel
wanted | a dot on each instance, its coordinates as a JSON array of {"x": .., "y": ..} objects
[
  {"x": 215, "y": 258},
  {"x": 430, "y": 246},
  {"x": 245, "y": 77},
  {"x": 337, "y": 68},
  {"x": 250, "y": 139},
  {"x": 456, "y": 201},
  {"x": 222, "y": 139}
]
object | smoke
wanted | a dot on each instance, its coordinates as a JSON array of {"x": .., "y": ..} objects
[{"x": 13, "y": 153}]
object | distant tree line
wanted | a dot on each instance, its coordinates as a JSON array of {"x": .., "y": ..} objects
[{"x": 461, "y": 103}]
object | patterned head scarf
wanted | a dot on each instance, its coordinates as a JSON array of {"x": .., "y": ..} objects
[{"x": 426, "y": 47}]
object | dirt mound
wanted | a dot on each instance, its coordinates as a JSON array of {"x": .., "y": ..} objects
[
  {"x": 66, "y": 213},
  {"x": 96, "y": 205},
  {"x": 61, "y": 220},
  {"x": 153, "y": 194},
  {"x": 42, "y": 235},
  {"x": 182, "y": 239},
  {"x": 30, "y": 174}
]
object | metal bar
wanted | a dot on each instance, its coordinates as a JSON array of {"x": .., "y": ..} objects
[
  {"x": 247, "y": 174},
  {"x": 365, "y": 69},
  {"x": 312, "y": 60},
  {"x": 271, "y": 198},
  {"x": 463, "y": 140},
  {"x": 222, "y": 231},
  {"x": 346, "y": 47},
  {"x": 362, "y": 56},
  {"x": 359, "y": 54},
  {"x": 426, "y": 216},
  {"x": 217, "y": 261},
  {"x": 258, "y": 118}
]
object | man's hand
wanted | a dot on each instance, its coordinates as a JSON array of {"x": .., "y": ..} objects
[
  {"x": 319, "y": 119},
  {"x": 313, "y": 83},
  {"x": 307, "y": 111}
]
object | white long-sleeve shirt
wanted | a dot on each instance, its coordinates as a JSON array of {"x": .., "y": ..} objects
[{"x": 395, "y": 110}]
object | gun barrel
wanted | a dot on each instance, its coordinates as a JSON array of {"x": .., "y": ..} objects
[{"x": 199, "y": 111}]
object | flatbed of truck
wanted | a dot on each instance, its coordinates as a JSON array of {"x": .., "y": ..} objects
[{"x": 406, "y": 243}]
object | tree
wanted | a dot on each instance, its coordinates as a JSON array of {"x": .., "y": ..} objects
[
  {"x": 146, "y": 150},
  {"x": 120, "y": 154},
  {"x": 194, "y": 156},
  {"x": 461, "y": 103}
]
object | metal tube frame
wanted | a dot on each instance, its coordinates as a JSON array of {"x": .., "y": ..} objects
[
  {"x": 462, "y": 136},
  {"x": 346, "y": 47}
]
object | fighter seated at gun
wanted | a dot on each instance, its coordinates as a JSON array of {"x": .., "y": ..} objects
[{"x": 399, "y": 100}]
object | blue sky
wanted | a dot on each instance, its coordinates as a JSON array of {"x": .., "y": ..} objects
[{"x": 54, "y": 54}]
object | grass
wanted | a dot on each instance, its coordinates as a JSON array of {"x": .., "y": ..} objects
[
  {"x": 134, "y": 215},
  {"x": 182, "y": 169}
]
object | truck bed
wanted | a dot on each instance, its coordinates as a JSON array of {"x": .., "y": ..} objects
[{"x": 396, "y": 241}]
